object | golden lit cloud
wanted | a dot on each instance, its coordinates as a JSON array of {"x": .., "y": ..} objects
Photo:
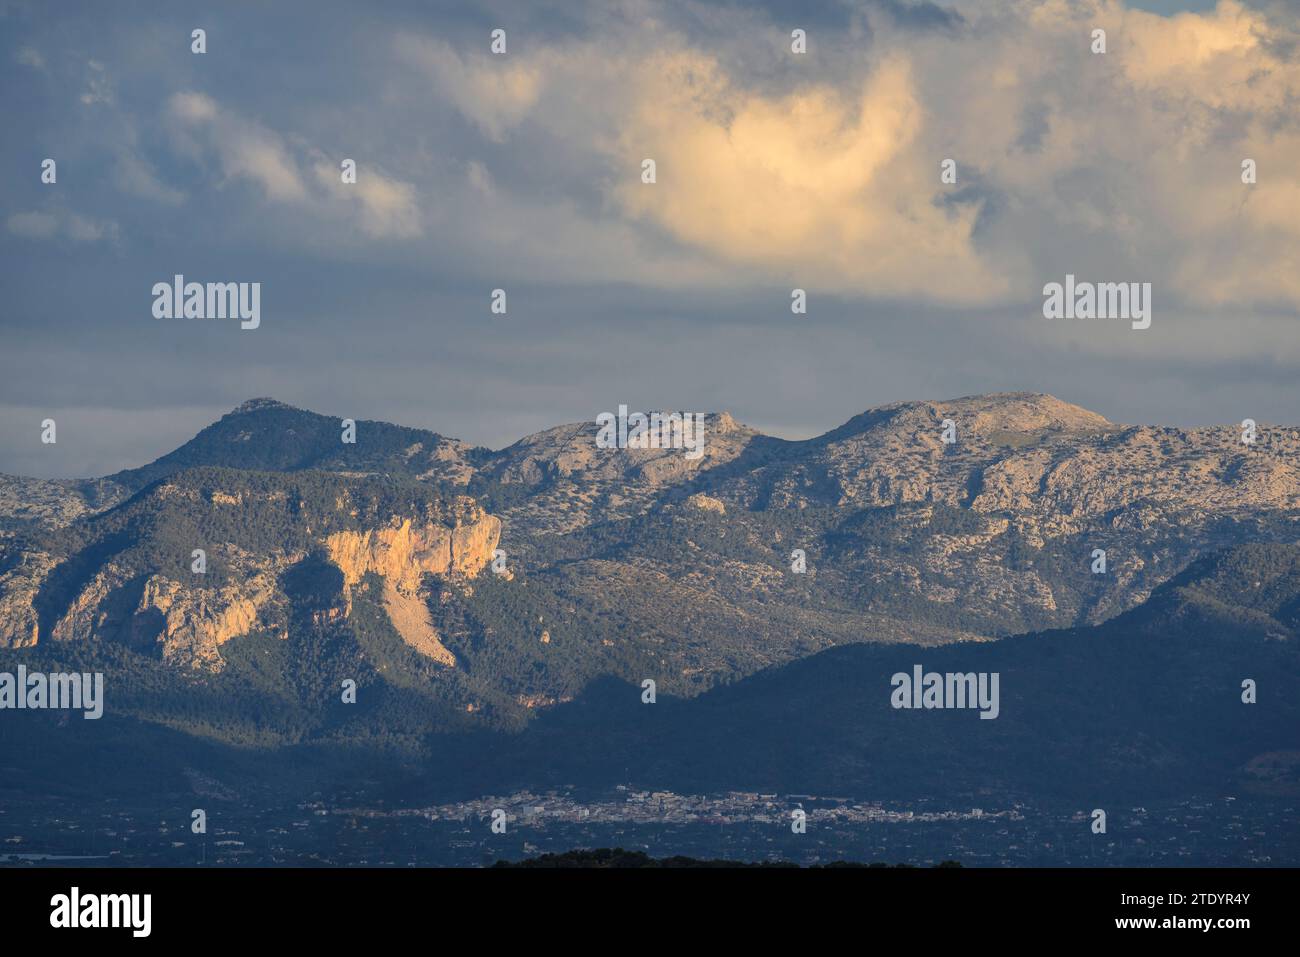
[
  {"x": 824, "y": 172},
  {"x": 817, "y": 186}
]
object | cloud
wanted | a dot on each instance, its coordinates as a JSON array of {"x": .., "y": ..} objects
[
  {"x": 824, "y": 171},
  {"x": 243, "y": 147},
  {"x": 40, "y": 225},
  {"x": 1208, "y": 60},
  {"x": 29, "y": 56},
  {"x": 818, "y": 185},
  {"x": 99, "y": 87},
  {"x": 389, "y": 209},
  {"x": 88, "y": 230},
  {"x": 921, "y": 16},
  {"x": 494, "y": 91},
  {"x": 33, "y": 225},
  {"x": 134, "y": 174}
]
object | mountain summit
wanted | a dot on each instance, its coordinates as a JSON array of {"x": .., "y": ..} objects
[{"x": 269, "y": 435}]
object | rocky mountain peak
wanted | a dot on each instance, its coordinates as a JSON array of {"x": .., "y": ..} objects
[
  {"x": 974, "y": 414},
  {"x": 258, "y": 405},
  {"x": 1020, "y": 412}
]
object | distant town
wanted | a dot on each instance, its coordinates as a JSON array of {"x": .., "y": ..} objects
[{"x": 737, "y": 825}]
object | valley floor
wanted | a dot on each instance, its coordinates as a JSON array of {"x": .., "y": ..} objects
[{"x": 740, "y": 826}]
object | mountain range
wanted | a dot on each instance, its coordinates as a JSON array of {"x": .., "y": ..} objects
[{"x": 499, "y": 611}]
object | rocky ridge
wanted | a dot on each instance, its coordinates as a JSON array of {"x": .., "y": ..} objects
[{"x": 906, "y": 537}]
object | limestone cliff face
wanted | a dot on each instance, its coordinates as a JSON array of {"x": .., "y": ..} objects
[
  {"x": 18, "y": 587},
  {"x": 95, "y": 611},
  {"x": 187, "y": 622},
  {"x": 191, "y": 625},
  {"x": 404, "y": 552}
]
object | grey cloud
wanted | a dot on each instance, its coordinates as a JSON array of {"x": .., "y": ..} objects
[{"x": 387, "y": 317}]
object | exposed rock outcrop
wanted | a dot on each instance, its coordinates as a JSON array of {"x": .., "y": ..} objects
[
  {"x": 19, "y": 627},
  {"x": 404, "y": 552},
  {"x": 186, "y": 621},
  {"x": 190, "y": 625}
]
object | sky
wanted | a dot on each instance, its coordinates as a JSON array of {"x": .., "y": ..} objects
[{"x": 523, "y": 171}]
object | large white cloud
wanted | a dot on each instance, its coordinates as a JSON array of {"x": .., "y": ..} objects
[{"x": 1125, "y": 164}]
